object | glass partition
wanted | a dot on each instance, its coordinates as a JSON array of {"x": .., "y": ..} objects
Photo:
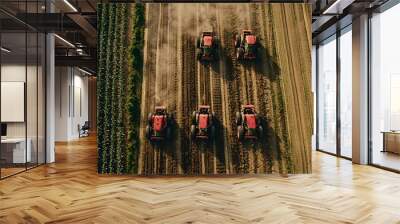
[
  {"x": 14, "y": 146},
  {"x": 22, "y": 78},
  {"x": 327, "y": 95}
]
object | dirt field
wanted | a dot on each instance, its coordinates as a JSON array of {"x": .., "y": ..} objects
[{"x": 278, "y": 83}]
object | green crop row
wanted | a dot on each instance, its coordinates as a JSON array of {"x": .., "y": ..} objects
[{"x": 118, "y": 86}]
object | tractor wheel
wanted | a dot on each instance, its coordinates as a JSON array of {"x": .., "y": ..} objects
[
  {"x": 212, "y": 132},
  {"x": 258, "y": 119},
  {"x": 216, "y": 41},
  {"x": 239, "y": 53},
  {"x": 237, "y": 41},
  {"x": 260, "y": 132},
  {"x": 238, "y": 118},
  {"x": 215, "y": 55},
  {"x": 213, "y": 117},
  {"x": 194, "y": 116},
  {"x": 168, "y": 133},
  {"x": 198, "y": 42},
  {"x": 193, "y": 131},
  {"x": 150, "y": 118},
  {"x": 240, "y": 132},
  {"x": 199, "y": 54},
  {"x": 148, "y": 131},
  {"x": 170, "y": 121}
]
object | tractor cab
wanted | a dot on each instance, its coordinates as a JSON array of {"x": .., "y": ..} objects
[
  {"x": 246, "y": 45},
  {"x": 202, "y": 123},
  {"x": 207, "y": 41},
  {"x": 206, "y": 46},
  {"x": 250, "y": 116},
  {"x": 159, "y": 122},
  {"x": 249, "y": 38},
  {"x": 248, "y": 123},
  {"x": 204, "y": 116}
]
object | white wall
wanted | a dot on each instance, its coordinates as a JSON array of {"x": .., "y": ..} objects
[{"x": 71, "y": 102}]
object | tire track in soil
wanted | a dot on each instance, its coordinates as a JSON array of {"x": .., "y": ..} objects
[
  {"x": 159, "y": 89},
  {"x": 205, "y": 151},
  {"x": 225, "y": 116},
  {"x": 252, "y": 96},
  {"x": 218, "y": 159},
  {"x": 234, "y": 91},
  {"x": 181, "y": 145},
  {"x": 269, "y": 146},
  {"x": 145, "y": 164},
  {"x": 296, "y": 99},
  {"x": 190, "y": 101},
  {"x": 259, "y": 73},
  {"x": 279, "y": 90},
  {"x": 201, "y": 93},
  {"x": 264, "y": 152},
  {"x": 173, "y": 165}
]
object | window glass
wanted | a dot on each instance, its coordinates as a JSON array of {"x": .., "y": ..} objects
[
  {"x": 346, "y": 93},
  {"x": 327, "y": 95},
  {"x": 385, "y": 89}
]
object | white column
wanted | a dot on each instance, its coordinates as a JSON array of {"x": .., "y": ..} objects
[
  {"x": 360, "y": 90},
  {"x": 50, "y": 94}
]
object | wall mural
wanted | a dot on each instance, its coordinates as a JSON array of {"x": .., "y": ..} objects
[{"x": 204, "y": 89}]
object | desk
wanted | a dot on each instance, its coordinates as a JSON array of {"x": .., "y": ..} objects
[
  {"x": 16, "y": 147},
  {"x": 391, "y": 142}
]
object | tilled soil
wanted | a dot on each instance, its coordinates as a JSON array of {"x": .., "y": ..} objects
[{"x": 278, "y": 83}]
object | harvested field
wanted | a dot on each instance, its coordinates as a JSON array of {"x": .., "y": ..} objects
[{"x": 278, "y": 84}]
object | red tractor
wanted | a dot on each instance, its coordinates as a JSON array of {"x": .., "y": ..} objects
[
  {"x": 246, "y": 45},
  {"x": 203, "y": 123},
  {"x": 159, "y": 125},
  {"x": 248, "y": 123},
  {"x": 207, "y": 45}
]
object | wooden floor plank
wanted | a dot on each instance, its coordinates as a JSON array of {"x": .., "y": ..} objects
[{"x": 70, "y": 191}]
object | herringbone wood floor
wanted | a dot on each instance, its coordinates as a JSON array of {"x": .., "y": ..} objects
[{"x": 70, "y": 191}]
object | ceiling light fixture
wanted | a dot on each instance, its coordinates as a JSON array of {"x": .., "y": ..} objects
[
  {"x": 5, "y": 50},
  {"x": 337, "y": 7},
  {"x": 84, "y": 71},
  {"x": 70, "y": 5},
  {"x": 65, "y": 41}
]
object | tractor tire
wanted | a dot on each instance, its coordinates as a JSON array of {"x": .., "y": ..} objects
[
  {"x": 239, "y": 53},
  {"x": 212, "y": 132},
  {"x": 240, "y": 132},
  {"x": 199, "y": 54},
  {"x": 192, "y": 131},
  {"x": 213, "y": 117},
  {"x": 194, "y": 117},
  {"x": 237, "y": 41},
  {"x": 215, "y": 56},
  {"x": 168, "y": 133},
  {"x": 197, "y": 42},
  {"x": 148, "y": 131},
  {"x": 150, "y": 118},
  {"x": 260, "y": 132},
  {"x": 216, "y": 41},
  {"x": 258, "y": 119},
  {"x": 238, "y": 118}
]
